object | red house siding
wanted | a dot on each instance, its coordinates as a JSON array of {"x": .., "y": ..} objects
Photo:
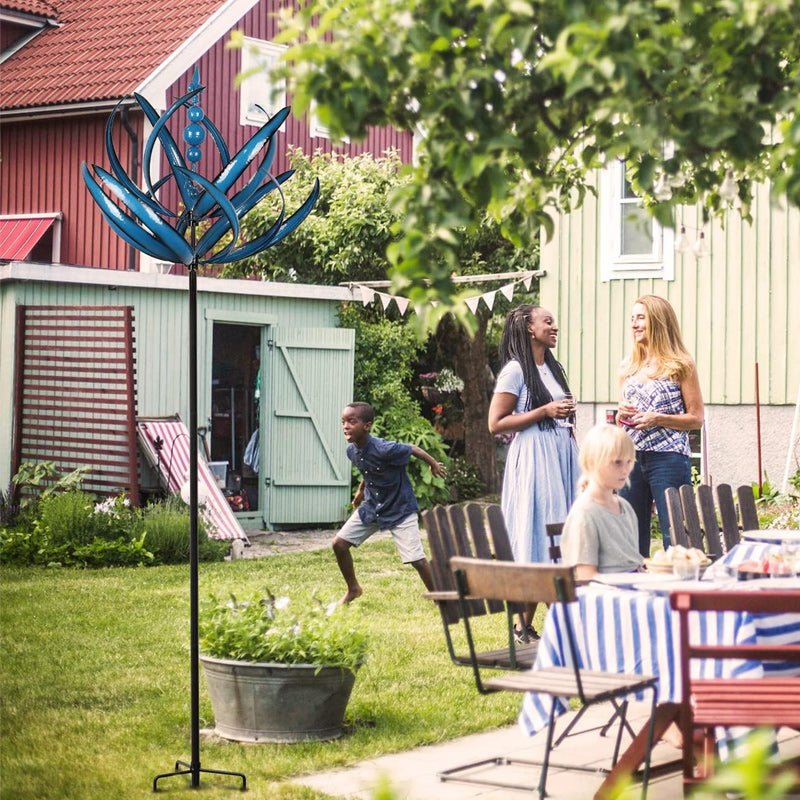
[
  {"x": 42, "y": 157},
  {"x": 41, "y": 173}
]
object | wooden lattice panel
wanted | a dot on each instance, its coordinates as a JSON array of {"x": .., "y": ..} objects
[{"x": 75, "y": 393}]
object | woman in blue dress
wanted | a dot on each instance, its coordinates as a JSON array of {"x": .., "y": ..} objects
[{"x": 532, "y": 400}]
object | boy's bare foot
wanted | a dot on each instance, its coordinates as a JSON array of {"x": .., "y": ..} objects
[{"x": 351, "y": 594}]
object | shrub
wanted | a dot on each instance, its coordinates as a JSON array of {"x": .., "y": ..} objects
[
  {"x": 264, "y": 629},
  {"x": 401, "y": 421},
  {"x": 67, "y": 519},
  {"x": 166, "y": 527},
  {"x": 464, "y": 480}
]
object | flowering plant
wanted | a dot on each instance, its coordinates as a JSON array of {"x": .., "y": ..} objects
[
  {"x": 265, "y": 629},
  {"x": 445, "y": 380}
]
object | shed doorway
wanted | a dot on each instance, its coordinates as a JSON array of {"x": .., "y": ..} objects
[{"x": 234, "y": 440}]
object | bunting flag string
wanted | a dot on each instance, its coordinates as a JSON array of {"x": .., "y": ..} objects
[{"x": 369, "y": 294}]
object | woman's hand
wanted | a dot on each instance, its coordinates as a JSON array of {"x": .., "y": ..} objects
[
  {"x": 559, "y": 409},
  {"x": 625, "y": 412},
  {"x": 643, "y": 420}
]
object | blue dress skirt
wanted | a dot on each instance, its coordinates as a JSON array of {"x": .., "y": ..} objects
[{"x": 539, "y": 486}]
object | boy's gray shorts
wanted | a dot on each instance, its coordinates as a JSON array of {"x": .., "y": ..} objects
[{"x": 405, "y": 533}]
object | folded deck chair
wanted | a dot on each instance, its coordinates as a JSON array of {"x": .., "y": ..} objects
[{"x": 170, "y": 458}]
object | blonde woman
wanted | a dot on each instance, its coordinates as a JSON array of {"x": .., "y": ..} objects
[{"x": 660, "y": 402}]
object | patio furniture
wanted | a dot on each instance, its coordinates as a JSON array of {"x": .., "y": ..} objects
[
  {"x": 555, "y": 685},
  {"x": 729, "y": 516},
  {"x": 554, "y": 531},
  {"x": 165, "y": 444},
  {"x": 473, "y": 530},
  {"x": 747, "y": 508},
  {"x": 685, "y": 519},
  {"x": 770, "y": 697}
]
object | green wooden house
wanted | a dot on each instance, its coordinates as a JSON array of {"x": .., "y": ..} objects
[
  {"x": 88, "y": 352},
  {"x": 736, "y": 290}
]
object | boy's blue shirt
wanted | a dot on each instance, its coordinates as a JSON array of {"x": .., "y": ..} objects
[{"x": 388, "y": 496}]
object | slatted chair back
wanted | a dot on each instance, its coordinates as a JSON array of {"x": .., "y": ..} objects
[
  {"x": 728, "y": 515},
  {"x": 677, "y": 526},
  {"x": 554, "y": 531},
  {"x": 747, "y": 508},
  {"x": 471, "y": 531},
  {"x": 708, "y": 519},
  {"x": 691, "y": 518},
  {"x": 707, "y": 702}
]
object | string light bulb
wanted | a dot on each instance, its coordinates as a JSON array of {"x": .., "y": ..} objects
[
  {"x": 700, "y": 247},
  {"x": 729, "y": 188},
  {"x": 682, "y": 243}
]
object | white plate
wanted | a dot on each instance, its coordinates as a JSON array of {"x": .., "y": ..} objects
[
  {"x": 774, "y": 536},
  {"x": 631, "y": 580}
]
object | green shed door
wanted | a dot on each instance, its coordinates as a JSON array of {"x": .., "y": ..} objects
[{"x": 308, "y": 477}]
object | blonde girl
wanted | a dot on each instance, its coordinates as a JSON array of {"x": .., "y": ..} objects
[{"x": 600, "y": 532}]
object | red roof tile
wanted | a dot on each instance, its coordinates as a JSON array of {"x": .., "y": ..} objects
[
  {"x": 38, "y": 7},
  {"x": 101, "y": 50}
]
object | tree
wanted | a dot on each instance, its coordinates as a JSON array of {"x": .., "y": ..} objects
[
  {"x": 346, "y": 238},
  {"x": 521, "y": 100}
]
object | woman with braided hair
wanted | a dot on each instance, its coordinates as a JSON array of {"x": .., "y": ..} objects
[{"x": 531, "y": 401}]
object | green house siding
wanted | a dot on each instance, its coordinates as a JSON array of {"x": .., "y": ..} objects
[
  {"x": 302, "y": 448},
  {"x": 739, "y": 305}
]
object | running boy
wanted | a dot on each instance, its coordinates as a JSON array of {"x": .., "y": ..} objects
[{"x": 384, "y": 499}]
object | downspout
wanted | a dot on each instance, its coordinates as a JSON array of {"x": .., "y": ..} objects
[{"x": 134, "y": 173}]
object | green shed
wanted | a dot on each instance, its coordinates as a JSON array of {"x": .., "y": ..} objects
[{"x": 88, "y": 352}]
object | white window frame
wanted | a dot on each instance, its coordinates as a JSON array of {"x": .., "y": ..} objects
[
  {"x": 659, "y": 263},
  {"x": 257, "y": 88}
]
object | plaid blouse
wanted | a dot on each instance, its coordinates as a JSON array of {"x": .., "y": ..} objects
[{"x": 663, "y": 396}]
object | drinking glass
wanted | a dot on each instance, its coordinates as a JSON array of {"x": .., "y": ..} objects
[
  {"x": 570, "y": 398},
  {"x": 686, "y": 569},
  {"x": 790, "y": 554}
]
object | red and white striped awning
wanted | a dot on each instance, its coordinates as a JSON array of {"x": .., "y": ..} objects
[{"x": 20, "y": 233}]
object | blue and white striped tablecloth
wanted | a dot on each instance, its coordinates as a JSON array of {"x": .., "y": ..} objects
[{"x": 636, "y": 632}]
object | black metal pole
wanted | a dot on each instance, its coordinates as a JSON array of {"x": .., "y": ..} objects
[
  {"x": 194, "y": 607},
  {"x": 193, "y": 767}
]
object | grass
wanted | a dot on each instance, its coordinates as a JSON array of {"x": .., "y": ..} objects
[{"x": 94, "y": 679}]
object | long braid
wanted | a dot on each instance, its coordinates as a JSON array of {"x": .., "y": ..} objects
[{"x": 515, "y": 344}]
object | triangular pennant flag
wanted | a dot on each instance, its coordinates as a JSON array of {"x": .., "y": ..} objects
[
  {"x": 367, "y": 295},
  {"x": 402, "y": 305},
  {"x": 472, "y": 303},
  {"x": 488, "y": 298},
  {"x": 507, "y": 291},
  {"x": 385, "y": 299},
  {"x": 526, "y": 281}
]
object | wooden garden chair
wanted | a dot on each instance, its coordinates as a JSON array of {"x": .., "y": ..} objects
[
  {"x": 731, "y": 534},
  {"x": 473, "y": 530},
  {"x": 511, "y": 583},
  {"x": 707, "y": 703},
  {"x": 554, "y": 531},
  {"x": 748, "y": 515}
]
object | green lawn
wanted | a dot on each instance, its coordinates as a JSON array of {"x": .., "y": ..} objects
[{"x": 94, "y": 678}]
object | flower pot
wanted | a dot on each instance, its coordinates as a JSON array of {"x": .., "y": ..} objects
[
  {"x": 264, "y": 702},
  {"x": 432, "y": 394}
]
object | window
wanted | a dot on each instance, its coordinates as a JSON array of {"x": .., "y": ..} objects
[
  {"x": 632, "y": 243},
  {"x": 260, "y": 97}
]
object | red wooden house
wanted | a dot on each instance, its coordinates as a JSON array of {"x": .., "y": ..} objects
[{"x": 67, "y": 64}]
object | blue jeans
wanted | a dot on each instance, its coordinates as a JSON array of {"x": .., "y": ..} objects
[{"x": 653, "y": 473}]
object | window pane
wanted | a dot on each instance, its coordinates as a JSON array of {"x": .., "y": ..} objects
[
  {"x": 637, "y": 231},
  {"x": 627, "y": 191}
]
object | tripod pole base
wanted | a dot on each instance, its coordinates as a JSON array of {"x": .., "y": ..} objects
[{"x": 194, "y": 771}]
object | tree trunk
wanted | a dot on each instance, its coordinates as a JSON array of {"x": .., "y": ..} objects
[{"x": 470, "y": 364}]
